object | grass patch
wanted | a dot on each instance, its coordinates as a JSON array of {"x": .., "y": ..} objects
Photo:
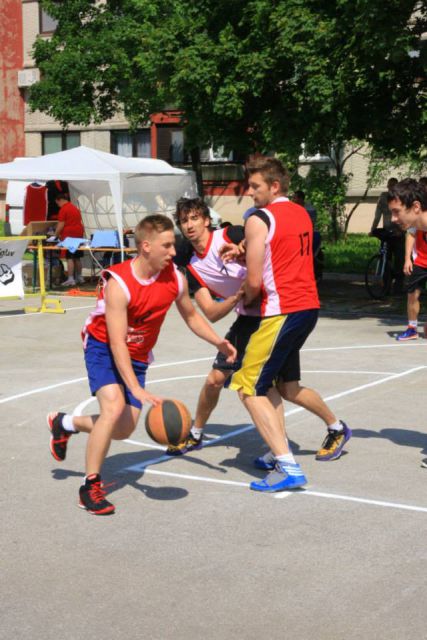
[{"x": 351, "y": 255}]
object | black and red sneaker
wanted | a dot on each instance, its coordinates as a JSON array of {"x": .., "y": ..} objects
[
  {"x": 92, "y": 497},
  {"x": 59, "y": 437}
]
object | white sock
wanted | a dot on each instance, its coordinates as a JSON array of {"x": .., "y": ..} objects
[
  {"x": 413, "y": 324},
  {"x": 289, "y": 464},
  {"x": 67, "y": 423},
  {"x": 196, "y": 433},
  {"x": 337, "y": 426},
  {"x": 286, "y": 458}
]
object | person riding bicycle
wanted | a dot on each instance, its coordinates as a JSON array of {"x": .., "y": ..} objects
[{"x": 395, "y": 236}]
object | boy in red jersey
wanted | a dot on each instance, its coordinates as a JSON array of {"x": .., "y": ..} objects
[
  {"x": 280, "y": 283},
  {"x": 415, "y": 269},
  {"x": 118, "y": 339},
  {"x": 70, "y": 225}
]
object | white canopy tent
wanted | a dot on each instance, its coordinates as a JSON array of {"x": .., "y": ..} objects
[{"x": 112, "y": 192}]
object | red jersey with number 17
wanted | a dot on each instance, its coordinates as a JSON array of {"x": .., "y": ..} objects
[
  {"x": 288, "y": 275},
  {"x": 148, "y": 303}
]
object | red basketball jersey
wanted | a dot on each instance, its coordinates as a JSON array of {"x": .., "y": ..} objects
[
  {"x": 420, "y": 249},
  {"x": 288, "y": 278},
  {"x": 35, "y": 203},
  {"x": 148, "y": 303}
]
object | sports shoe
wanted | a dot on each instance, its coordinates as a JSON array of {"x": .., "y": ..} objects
[
  {"x": 92, "y": 497},
  {"x": 69, "y": 282},
  {"x": 410, "y": 334},
  {"x": 80, "y": 280},
  {"x": 265, "y": 462},
  {"x": 59, "y": 437},
  {"x": 333, "y": 444},
  {"x": 189, "y": 444},
  {"x": 424, "y": 463},
  {"x": 280, "y": 480}
]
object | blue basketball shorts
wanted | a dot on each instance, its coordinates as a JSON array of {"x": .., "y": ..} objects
[{"x": 102, "y": 370}]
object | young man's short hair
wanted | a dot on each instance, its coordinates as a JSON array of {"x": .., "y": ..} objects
[
  {"x": 408, "y": 191},
  {"x": 272, "y": 170},
  {"x": 185, "y": 205},
  {"x": 156, "y": 223}
]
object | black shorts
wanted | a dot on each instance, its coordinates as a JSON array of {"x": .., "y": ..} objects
[
  {"x": 76, "y": 254},
  {"x": 417, "y": 279}
]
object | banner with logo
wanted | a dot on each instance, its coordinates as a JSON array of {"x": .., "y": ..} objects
[{"x": 11, "y": 253}]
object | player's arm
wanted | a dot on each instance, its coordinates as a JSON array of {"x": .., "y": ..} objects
[
  {"x": 214, "y": 310},
  {"x": 256, "y": 232},
  {"x": 117, "y": 325},
  {"x": 409, "y": 246},
  {"x": 201, "y": 327}
]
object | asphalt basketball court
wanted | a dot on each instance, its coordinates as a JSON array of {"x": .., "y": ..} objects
[{"x": 191, "y": 552}]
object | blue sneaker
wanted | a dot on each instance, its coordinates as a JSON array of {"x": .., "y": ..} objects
[
  {"x": 280, "y": 480},
  {"x": 264, "y": 462},
  {"x": 410, "y": 334}
]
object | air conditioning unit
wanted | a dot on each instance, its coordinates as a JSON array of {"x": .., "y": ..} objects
[{"x": 27, "y": 77}]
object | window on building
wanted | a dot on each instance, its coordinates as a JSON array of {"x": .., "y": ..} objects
[
  {"x": 218, "y": 154},
  {"x": 60, "y": 141},
  {"x": 131, "y": 145},
  {"x": 47, "y": 23},
  {"x": 170, "y": 144}
]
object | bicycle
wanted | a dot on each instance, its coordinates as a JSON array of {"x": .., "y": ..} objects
[{"x": 379, "y": 272}]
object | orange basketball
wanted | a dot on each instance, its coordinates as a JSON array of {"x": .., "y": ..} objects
[{"x": 169, "y": 422}]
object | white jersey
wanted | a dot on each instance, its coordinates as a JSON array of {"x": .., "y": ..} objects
[{"x": 222, "y": 280}]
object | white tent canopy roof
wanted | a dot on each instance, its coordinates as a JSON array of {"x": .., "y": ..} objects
[
  {"x": 111, "y": 191},
  {"x": 83, "y": 163}
]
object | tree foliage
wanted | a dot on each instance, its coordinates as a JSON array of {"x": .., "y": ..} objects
[{"x": 251, "y": 75}]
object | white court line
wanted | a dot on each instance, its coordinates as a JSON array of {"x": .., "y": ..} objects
[
  {"x": 374, "y": 373},
  {"x": 141, "y": 466},
  {"x": 398, "y": 345},
  {"x": 171, "y": 364},
  {"x": 75, "y": 380},
  {"x": 285, "y": 494},
  {"x": 199, "y": 478},
  {"x": 377, "y": 503},
  {"x": 144, "y": 444}
]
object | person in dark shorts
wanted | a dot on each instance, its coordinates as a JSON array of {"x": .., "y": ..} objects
[
  {"x": 415, "y": 269},
  {"x": 280, "y": 283},
  {"x": 218, "y": 290},
  {"x": 70, "y": 225}
]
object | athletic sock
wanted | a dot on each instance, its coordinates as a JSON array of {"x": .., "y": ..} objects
[
  {"x": 337, "y": 426},
  {"x": 196, "y": 433},
  {"x": 67, "y": 423},
  {"x": 288, "y": 464},
  {"x": 413, "y": 324},
  {"x": 286, "y": 457}
]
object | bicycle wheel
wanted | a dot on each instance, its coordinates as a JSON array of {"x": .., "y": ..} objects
[{"x": 378, "y": 277}]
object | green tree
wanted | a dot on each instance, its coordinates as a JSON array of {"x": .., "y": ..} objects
[{"x": 252, "y": 75}]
